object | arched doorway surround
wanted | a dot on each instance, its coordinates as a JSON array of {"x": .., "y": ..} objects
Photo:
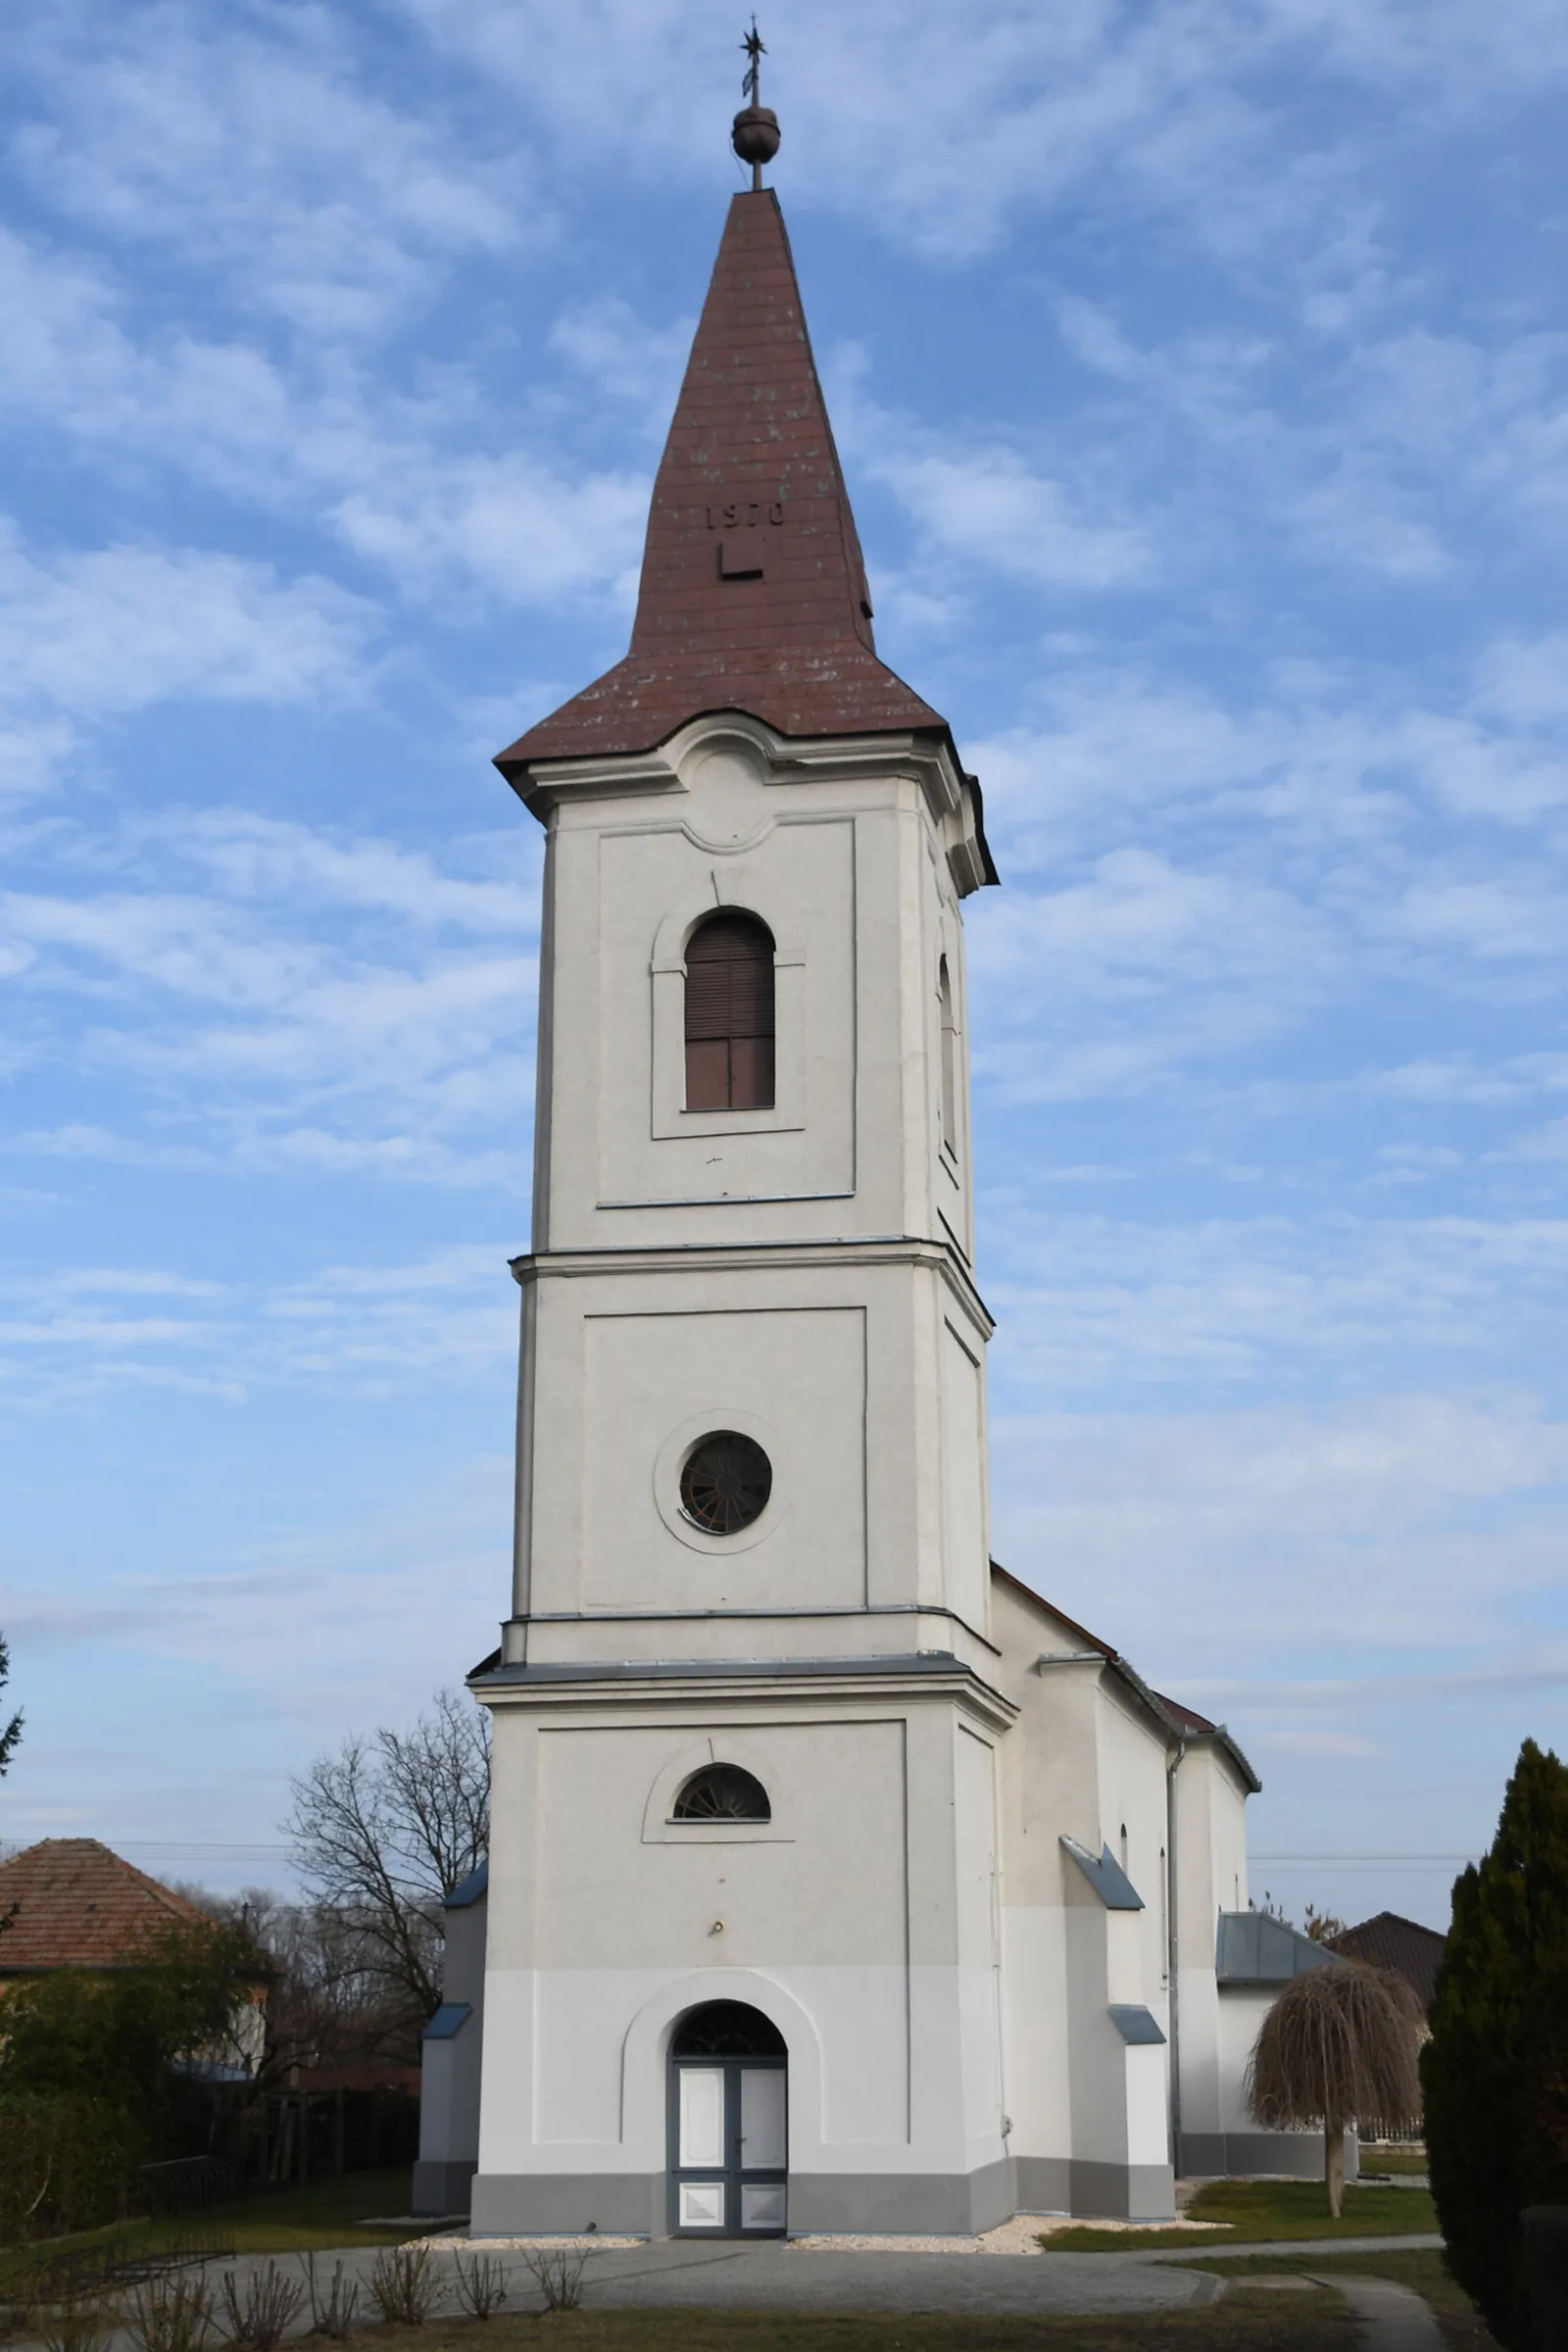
[{"x": 728, "y": 2124}]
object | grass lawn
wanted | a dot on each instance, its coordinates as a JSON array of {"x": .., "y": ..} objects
[
  {"x": 1265, "y": 2209},
  {"x": 289, "y": 2220},
  {"x": 1393, "y": 2160},
  {"x": 1247, "y": 2321},
  {"x": 1427, "y": 2272}
]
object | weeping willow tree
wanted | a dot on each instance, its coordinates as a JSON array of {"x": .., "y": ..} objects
[{"x": 1338, "y": 2045}]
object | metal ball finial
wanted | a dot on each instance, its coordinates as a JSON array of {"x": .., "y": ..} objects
[{"x": 755, "y": 134}]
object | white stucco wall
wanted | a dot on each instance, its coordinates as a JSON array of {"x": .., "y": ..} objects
[
  {"x": 940, "y": 1972},
  {"x": 874, "y": 1949}
]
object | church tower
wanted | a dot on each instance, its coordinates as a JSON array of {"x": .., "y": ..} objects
[{"x": 743, "y": 1943}]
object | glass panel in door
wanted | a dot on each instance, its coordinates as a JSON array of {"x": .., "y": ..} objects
[
  {"x": 763, "y": 2109},
  {"x": 702, "y": 2116}
]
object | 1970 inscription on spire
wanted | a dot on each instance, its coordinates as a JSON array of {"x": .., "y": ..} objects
[{"x": 747, "y": 510}]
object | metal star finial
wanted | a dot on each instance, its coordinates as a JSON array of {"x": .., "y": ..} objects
[
  {"x": 755, "y": 133},
  {"x": 756, "y": 49}
]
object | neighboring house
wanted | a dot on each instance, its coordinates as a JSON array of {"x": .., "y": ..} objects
[
  {"x": 72, "y": 1902},
  {"x": 454, "y": 2043},
  {"x": 837, "y": 1881},
  {"x": 1403, "y": 1945}
]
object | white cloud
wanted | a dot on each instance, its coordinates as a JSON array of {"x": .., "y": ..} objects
[
  {"x": 1302, "y": 1531},
  {"x": 257, "y": 147},
  {"x": 85, "y": 637},
  {"x": 508, "y": 522},
  {"x": 620, "y": 353},
  {"x": 992, "y": 508},
  {"x": 315, "y": 1001},
  {"x": 1141, "y": 965},
  {"x": 1176, "y": 112},
  {"x": 368, "y": 1330},
  {"x": 1518, "y": 917},
  {"x": 1096, "y": 1305}
]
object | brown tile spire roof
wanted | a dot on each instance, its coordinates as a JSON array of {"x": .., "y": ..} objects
[
  {"x": 78, "y": 1905},
  {"x": 753, "y": 593}
]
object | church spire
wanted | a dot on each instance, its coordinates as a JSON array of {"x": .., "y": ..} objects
[{"x": 754, "y": 594}]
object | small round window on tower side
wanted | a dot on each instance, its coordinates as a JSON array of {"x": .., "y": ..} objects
[
  {"x": 723, "y": 1793},
  {"x": 726, "y": 1483}
]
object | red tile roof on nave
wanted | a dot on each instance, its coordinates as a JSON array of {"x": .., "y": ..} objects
[
  {"x": 754, "y": 594},
  {"x": 78, "y": 1905}
]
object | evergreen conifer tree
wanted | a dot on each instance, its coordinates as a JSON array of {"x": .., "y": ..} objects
[
  {"x": 10, "y": 1733},
  {"x": 1493, "y": 2069}
]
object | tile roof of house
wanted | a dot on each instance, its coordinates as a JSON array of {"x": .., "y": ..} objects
[
  {"x": 79, "y": 1904},
  {"x": 753, "y": 593},
  {"x": 1386, "y": 1941}
]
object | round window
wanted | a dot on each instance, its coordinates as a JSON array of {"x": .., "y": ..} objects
[{"x": 726, "y": 1483}]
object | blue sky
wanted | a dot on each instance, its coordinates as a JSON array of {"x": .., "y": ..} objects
[{"x": 1201, "y": 378}]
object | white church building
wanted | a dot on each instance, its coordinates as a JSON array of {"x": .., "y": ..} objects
[{"x": 838, "y": 1882}]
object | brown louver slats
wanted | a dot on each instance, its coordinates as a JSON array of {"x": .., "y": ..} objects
[{"x": 729, "y": 1016}]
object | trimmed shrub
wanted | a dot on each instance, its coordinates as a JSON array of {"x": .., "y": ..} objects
[
  {"x": 65, "y": 2163},
  {"x": 1493, "y": 2069}
]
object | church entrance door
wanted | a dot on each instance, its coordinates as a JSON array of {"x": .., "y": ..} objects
[{"x": 728, "y": 2124}]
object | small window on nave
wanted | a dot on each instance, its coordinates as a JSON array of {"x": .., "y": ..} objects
[
  {"x": 723, "y": 1793},
  {"x": 950, "y": 1059},
  {"x": 729, "y": 1014}
]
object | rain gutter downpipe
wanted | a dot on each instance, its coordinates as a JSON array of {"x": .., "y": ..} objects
[{"x": 1173, "y": 1959}]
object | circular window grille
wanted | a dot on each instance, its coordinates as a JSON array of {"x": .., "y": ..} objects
[{"x": 726, "y": 1483}]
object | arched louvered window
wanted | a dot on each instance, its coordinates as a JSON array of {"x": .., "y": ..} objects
[
  {"x": 729, "y": 1014},
  {"x": 723, "y": 1793}
]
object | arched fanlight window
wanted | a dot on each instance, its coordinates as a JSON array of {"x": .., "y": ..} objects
[
  {"x": 950, "y": 1059},
  {"x": 729, "y": 1014},
  {"x": 727, "y": 2030},
  {"x": 723, "y": 1793}
]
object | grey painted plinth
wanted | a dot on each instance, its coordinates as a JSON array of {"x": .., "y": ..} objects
[
  {"x": 441, "y": 2185},
  {"x": 833, "y": 2204},
  {"x": 1254, "y": 2155},
  {"x": 913, "y": 2204},
  {"x": 1120, "y": 2192},
  {"x": 610, "y": 2204}
]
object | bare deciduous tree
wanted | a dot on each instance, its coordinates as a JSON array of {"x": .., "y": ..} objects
[
  {"x": 1340, "y": 2046},
  {"x": 385, "y": 1829}
]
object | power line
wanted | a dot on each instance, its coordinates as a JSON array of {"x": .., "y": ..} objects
[{"x": 1381, "y": 1861}]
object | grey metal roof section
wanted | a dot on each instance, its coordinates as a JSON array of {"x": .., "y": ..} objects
[
  {"x": 1107, "y": 1877},
  {"x": 1254, "y": 1948},
  {"x": 923, "y": 1661},
  {"x": 921, "y": 1664},
  {"x": 449, "y": 2020},
  {"x": 472, "y": 1890},
  {"x": 1134, "y": 2022}
]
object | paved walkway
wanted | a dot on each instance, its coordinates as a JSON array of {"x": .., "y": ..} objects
[
  {"x": 1393, "y": 2318},
  {"x": 675, "y": 2273},
  {"x": 680, "y": 2273},
  {"x": 1233, "y": 2248}
]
